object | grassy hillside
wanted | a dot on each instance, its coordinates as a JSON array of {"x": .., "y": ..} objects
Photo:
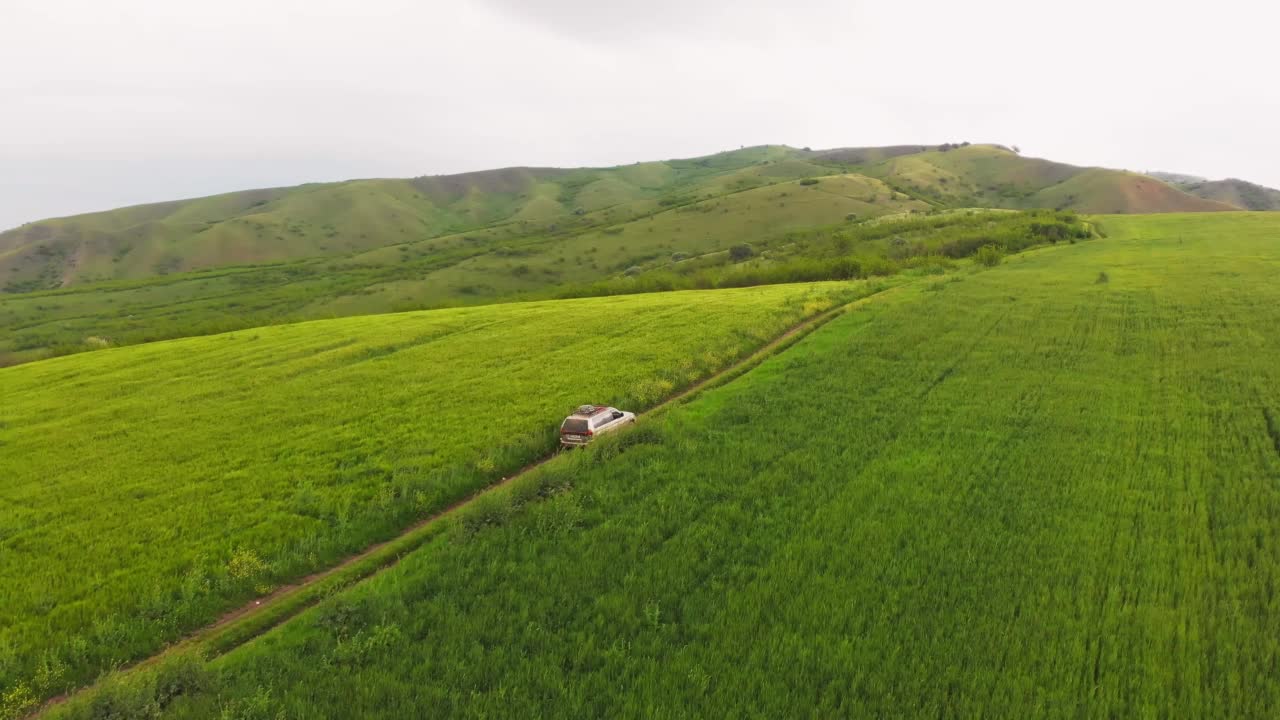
[
  {"x": 1239, "y": 193},
  {"x": 994, "y": 176},
  {"x": 256, "y": 457},
  {"x": 1107, "y": 191},
  {"x": 374, "y": 246},
  {"x": 332, "y": 219},
  {"x": 1043, "y": 490},
  {"x": 692, "y": 241},
  {"x": 340, "y": 219}
]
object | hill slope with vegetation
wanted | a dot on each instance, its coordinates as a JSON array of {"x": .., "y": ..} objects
[
  {"x": 697, "y": 245},
  {"x": 374, "y": 246},
  {"x": 993, "y": 176},
  {"x": 1046, "y": 489},
  {"x": 1238, "y": 193},
  {"x": 341, "y": 219}
]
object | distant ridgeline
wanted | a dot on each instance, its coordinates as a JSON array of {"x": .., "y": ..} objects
[{"x": 1240, "y": 193}]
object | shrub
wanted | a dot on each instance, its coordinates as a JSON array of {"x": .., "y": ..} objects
[
  {"x": 258, "y": 706},
  {"x": 17, "y": 702},
  {"x": 633, "y": 271},
  {"x": 1051, "y": 231},
  {"x": 492, "y": 508},
  {"x": 342, "y": 617},
  {"x": 123, "y": 700},
  {"x": 143, "y": 695},
  {"x": 809, "y": 181},
  {"x": 181, "y": 675},
  {"x": 245, "y": 563},
  {"x": 1103, "y": 278},
  {"x": 741, "y": 252},
  {"x": 846, "y": 269},
  {"x": 989, "y": 255},
  {"x": 363, "y": 647}
]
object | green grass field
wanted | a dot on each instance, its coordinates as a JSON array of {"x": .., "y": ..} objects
[
  {"x": 688, "y": 246},
  {"x": 424, "y": 269},
  {"x": 259, "y": 257},
  {"x": 1048, "y": 489},
  {"x": 147, "y": 489}
]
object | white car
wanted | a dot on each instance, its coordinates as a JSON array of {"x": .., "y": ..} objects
[{"x": 589, "y": 421}]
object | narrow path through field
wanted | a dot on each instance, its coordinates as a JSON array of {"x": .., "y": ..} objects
[{"x": 285, "y": 592}]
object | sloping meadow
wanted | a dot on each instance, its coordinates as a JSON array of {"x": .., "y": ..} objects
[
  {"x": 1046, "y": 490},
  {"x": 148, "y": 489}
]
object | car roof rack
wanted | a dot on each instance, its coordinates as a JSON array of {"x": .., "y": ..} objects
[{"x": 589, "y": 409}]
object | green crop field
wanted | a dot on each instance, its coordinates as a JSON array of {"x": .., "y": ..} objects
[
  {"x": 686, "y": 247},
  {"x": 1047, "y": 489},
  {"x": 147, "y": 489},
  {"x": 260, "y": 257}
]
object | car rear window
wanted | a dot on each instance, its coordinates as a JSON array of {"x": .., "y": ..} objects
[{"x": 577, "y": 425}]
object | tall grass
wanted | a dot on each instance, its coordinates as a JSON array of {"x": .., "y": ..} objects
[
  {"x": 148, "y": 489},
  {"x": 496, "y": 266},
  {"x": 870, "y": 249},
  {"x": 1021, "y": 495}
]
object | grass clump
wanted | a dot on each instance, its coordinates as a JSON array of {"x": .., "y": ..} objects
[
  {"x": 989, "y": 255},
  {"x": 142, "y": 695}
]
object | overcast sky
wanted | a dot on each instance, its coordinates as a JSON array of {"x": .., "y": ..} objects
[{"x": 115, "y": 102}]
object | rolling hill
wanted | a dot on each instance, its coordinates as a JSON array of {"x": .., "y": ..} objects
[
  {"x": 1041, "y": 489},
  {"x": 372, "y": 246},
  {"x": 1237, "y": 193},
  {"x": 349, "y": 218},
  {"x": 336, "y": 219},
  {"x": 696, "y": 245},
  {"x": 991, "y": 176}
]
